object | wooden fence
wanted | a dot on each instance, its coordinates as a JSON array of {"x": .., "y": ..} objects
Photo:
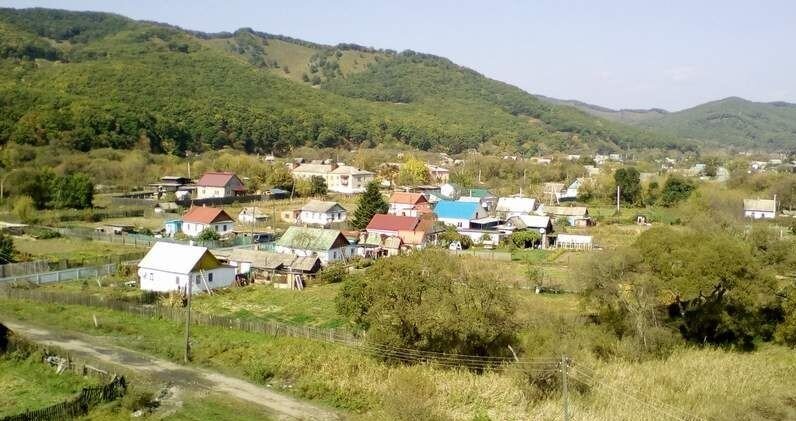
[
  {"x": 174, "y": 313},
  {"x": 142, "y": 240},
  {"x": 77, "y": 406}
]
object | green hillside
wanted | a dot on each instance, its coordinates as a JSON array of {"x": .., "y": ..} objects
[
  {"x": 628, "y": 116},
  {"x": 85, "y": 80},
  {"x": 734, "y": 121}
]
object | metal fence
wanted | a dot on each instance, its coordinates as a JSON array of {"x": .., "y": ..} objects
[
  {"x": 61, "y": 275},
  {"x": 42, "y": 266}
]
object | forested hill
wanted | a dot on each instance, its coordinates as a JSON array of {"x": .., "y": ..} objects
[
  {"x": 728, "y": 122},
  {"x": 734, "y": 121},
  {"x": 87, "y": 80}
]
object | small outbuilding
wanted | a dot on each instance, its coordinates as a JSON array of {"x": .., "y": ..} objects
[{"x": 171, "y": 267}]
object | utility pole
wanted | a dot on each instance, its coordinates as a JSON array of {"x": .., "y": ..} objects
[
  {"x": 188, "y": 322},
  {"x": 564, "y": 391},
  {"x": 617, "y": 198}
]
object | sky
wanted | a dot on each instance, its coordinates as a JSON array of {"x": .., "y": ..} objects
[{"x": 621, "y": 54}]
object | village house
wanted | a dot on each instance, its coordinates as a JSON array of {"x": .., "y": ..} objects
[
  {"x": 481, "y": 196},
  {"x": 328, "y": 245},
  {"x": 265, "y": 266},
  {"x": 219, "y": 184},
  {"x": 318, "y": 212},
  {"x": 458, "y": 214},
  {"x": 438, "y": 174},
  {"x": 199, "y": 218},
  {"x": 536, "y": 223},
  {"x": 760, "y": 208},
  {"x": 511, "y": 206},
  {"x": 171, "y": 267},
  {"x": 252, "y": 215},
  {"x": 572, "y": 190},
  {"x": 552, "y": 191},
  {"x": 339, "y": 178},
  {"x": 408, "y": 204},
  {"x": 180, "y": 186},
  {"x": 413, "y": 232},
  {"x": 576, "y": 216}
]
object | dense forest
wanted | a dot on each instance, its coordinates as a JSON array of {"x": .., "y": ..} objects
[{"x": 86, "y": 80}]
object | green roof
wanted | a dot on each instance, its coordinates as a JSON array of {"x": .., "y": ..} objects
[
  {"x": 475, "y": 192},
  {"x": 318, "y": 239}
]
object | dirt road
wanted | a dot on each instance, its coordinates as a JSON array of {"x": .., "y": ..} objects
[{"x": 190, "y": 378}]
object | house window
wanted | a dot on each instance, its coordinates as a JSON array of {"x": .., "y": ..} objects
[
  {"x": 177, "y": 280},
  {"x": 459, "y": 224},
  {"x": 225, "y": 227},
  {"x": 197, "y": 280},
  {"x": 209, "y": 277},
  {"x": 216, "y": 228}
]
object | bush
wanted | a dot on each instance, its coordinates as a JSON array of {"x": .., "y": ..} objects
[
  {"x": 6, "y": 249},
  {"x": 427, "y": 301},
  {"x": 333, "y": 273},
  {"x": 24, "y": 209},
  {"x": 208, "y": 234},
  {"x": 525, "y": 239}
]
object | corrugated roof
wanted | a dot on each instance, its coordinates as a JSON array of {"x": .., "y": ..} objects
[
  {"x": 476, "y": 192},
  {"x": 320, "y": 206},
  {"x": 760, "y": 205},
  {"x": 217, "y": 179},
  {"x": 516, "y": 204},
  {"x": 349, "y": 170},
  {"x": 318, "y": 239},
  {"x": 567, "y": 210},
  {"x": 206, "y": 215},
  {"x": 383, "y": 222},
  {"x": 456, "y": 210},
  {"x": 178, "y": 258},
  {"x": 407, "y": 198},
  {"x": 313, "y": 168},
  {"x": 529, "y": 221},
  {"x": 271, "y": 261}
]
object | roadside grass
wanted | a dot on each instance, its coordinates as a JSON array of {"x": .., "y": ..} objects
[
  {"x": 709, "y": 383},
  {"x": 193, "y": 407},
  {"x": 27, "y": 384},
  {"x": 68, "y": 248}
]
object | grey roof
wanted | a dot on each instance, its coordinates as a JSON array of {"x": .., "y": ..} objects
[
  {"x": 313, "y": 168},
  {"x": 760, "y": 205},
  {"x": 269, "y": 260},
  {"x": 321, "y": 206},
  {"x": 347, "y": 169}
]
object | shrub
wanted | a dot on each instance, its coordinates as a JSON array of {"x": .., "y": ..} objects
[
  {"x": 428, "y": 301},
  {"x": 24, "y": 209},
  {"x": 208, "y": 234},
  {"x": 333, "y": 273}
]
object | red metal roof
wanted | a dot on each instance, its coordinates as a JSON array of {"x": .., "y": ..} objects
[
  {"x": 206, "y": 215},
  {"x": 383, "y": 222},
  {"x": 407, "y": 198},
  {"x": 217, "y": 179}
]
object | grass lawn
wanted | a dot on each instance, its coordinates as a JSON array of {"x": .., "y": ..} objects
[
  {"x": 26, "y": 383},
  {"x": 69, "y": 248},
  {"x": 314, "y": 306}
]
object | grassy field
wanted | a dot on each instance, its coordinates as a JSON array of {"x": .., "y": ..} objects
[
  {"x": 314, "y": 306},
  {"x": 27, "y": 383},
  {"x": 192, "y": 407},
  {"x": 710, "y": 383},
  {"x": 69, "y": 248}
]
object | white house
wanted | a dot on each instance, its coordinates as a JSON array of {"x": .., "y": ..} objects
[
  {"x": 328, "y": 245},
  {"x": 219, "y": 184},
  {"x": 438, "y": 174},
  {"x": 458, "y": 214},
  {"x": 760, "y": 208},
  {"x": 339, "y": 178},
  {"x": 571, "y": 192},
  {"x": 408, "y": 204},
  {"x": 171, "y": 267},
  {"x": 317, "y": 212},
  {"x": 199, "y": 218},
  {"x": 252, "y": 215},
  {"x": 512, "y": 206},
  {"x": 574, "y": 241}
]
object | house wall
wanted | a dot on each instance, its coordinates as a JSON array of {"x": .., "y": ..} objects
[
  {"x": 163, "y": 281},
  {"x": 402, "y": 209},
  {"x": 455, "y": 222},
  {"x": 759, "y": 214},
  {"x": 193, "y": 228},
  {"x": 321, "y": 218},
  {"x": 203, "y": 192}
]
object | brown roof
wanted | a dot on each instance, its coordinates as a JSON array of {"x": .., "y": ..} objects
[
  {"x": 206, "y": 215},
  {"x": 383, "y": 222},
  {"x": 217, "y": 179},
  {"x": 407, "y": 198}
]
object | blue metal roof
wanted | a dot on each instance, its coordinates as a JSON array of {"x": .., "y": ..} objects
[{"x": 456, "y": 210}]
